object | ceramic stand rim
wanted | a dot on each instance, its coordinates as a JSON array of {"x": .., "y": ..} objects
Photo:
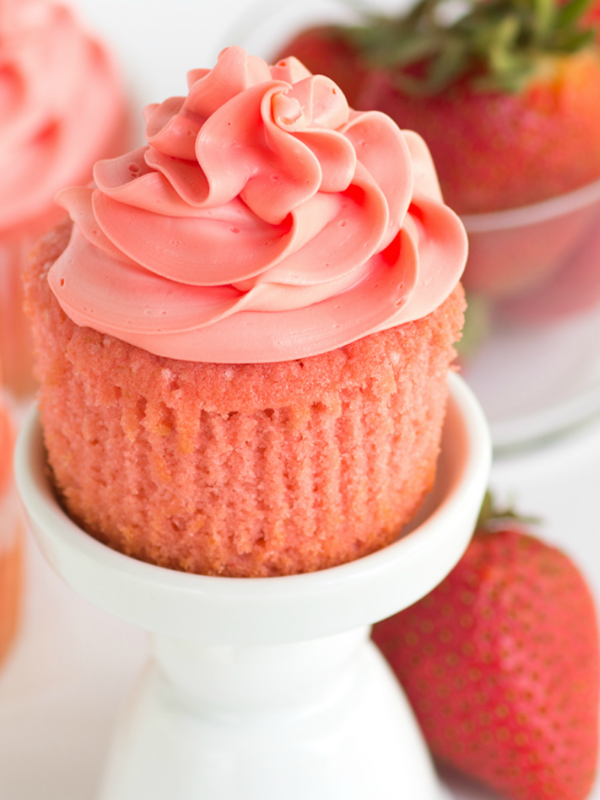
[{"x": 237, "y": 610}]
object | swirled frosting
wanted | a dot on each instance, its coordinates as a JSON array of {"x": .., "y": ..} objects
[
  {"x": 60, "y": 103},
  {"x": 264, "y": 221}
]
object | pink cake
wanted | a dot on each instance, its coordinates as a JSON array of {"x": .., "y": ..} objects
[
  {"x": 243, "y": 344},
  {"x": 61, "y": 109}
]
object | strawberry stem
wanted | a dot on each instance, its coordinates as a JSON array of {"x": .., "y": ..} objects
[
  {"x": 495, "y": 45},
  {"x": 491, "y": 517}
]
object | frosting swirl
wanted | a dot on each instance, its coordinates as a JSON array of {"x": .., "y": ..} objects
[
  {"x": 264, "y": 221},
  {"x": 60, "y": 102}
]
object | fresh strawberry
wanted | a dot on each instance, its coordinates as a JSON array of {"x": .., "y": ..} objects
[
  {"x": 507, "y": 97},
  {"x": 502, "y": 665},
  {"x": 496, "y": 150}
]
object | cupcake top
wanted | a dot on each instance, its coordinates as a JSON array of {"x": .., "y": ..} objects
[
  {"x": 264, "y": 221},
  {"x": 60, "y": 100}
]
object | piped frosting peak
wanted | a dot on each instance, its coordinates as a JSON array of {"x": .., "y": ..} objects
[{"x": 264, "y": 221}]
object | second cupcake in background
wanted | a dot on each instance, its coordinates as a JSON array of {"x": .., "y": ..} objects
[
  {"x": 62, "y": 107},
  {"x": 244, "y": 342}
]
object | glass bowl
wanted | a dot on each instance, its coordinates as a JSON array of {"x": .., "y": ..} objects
[
  {"x": 537, "y": 373},
  {"x": 520, "y": 252}
]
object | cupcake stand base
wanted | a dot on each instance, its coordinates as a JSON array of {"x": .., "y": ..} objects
[{"x": 270, "y": 688}]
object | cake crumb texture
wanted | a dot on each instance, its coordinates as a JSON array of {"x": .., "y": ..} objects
[{"x": 240, "y": 470}]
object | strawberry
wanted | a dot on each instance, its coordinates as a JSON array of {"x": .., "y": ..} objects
[
  {"x": 502, "y": 665},
  {"x": 506, "y": 109},
  {"x": 507, "y": 97}
]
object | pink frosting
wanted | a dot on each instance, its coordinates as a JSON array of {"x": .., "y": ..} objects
[
  {"x": 60, "y": 100},
  {"x": 264, "y": 221}
]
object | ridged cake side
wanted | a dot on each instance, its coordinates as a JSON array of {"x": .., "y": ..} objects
[{"x": 241, "y": 470}]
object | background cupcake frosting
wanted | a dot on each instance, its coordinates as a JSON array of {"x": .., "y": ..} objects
[
  {"x": 62, "y": 107},
  {"x": 57, "y": 106},
  {"x": 259, "y": 192}
]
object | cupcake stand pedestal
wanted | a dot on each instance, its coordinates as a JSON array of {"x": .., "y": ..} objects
[{"x": 264, "y": 689}]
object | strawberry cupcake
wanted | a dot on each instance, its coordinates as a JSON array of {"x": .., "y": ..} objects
[
  {"x": 243, "y": 338},
  {"x": 61, "y": 109}
]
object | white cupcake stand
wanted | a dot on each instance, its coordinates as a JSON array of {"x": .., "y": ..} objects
[{"x": 270, "y": 689}]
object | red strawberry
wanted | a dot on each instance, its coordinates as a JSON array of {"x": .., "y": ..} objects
[
  {"x": 507, "y": 97},
  {"x": 502, "y": 665},
  {"x": 496, "y": 150}
]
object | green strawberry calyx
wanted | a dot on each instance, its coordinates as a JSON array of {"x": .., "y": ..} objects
[
  {"x": 493, "y": 518},
  {"x": 495, "y": 45}
]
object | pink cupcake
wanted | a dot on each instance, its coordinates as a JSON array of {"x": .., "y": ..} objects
[
  {"x": 61, "y": 109},
  {"x": 243, "y": 343}
]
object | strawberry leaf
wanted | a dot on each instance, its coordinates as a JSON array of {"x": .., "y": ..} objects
[
  {"x": 495, "y": 45},
  {"x": 491, "y": 517},
  {"x": 570, "y": 13}
]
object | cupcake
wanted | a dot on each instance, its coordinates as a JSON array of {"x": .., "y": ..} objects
[
  {"x": 61, "y": 109},
  {"x": 10, "y": 539},
  {"x": 243, "y": 339}
]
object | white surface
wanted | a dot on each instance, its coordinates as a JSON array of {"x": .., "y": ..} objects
[{"x": 237, "y": 703}]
